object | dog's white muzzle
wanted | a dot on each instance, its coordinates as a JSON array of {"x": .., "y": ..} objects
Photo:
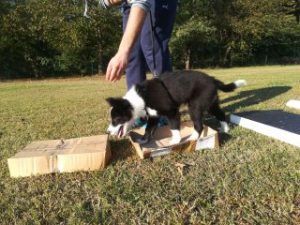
[{"x": 120, "y": 130}]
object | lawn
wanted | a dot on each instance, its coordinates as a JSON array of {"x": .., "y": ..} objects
[{"x": 251, "y": 179}]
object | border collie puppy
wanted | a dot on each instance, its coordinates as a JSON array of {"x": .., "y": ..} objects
[{"x": 163, "y": 97}]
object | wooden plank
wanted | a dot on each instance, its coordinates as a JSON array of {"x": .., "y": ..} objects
[{"x": 270, "y": 131}]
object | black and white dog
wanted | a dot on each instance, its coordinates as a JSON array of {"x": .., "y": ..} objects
[{"x": 163, "y": 97}]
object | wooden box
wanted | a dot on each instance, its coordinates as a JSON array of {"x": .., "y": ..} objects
[
  {"x": 78, "y": 154},
  {"x": 159, "y": 145}
]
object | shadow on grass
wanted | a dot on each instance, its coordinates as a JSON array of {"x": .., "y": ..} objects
[
  {"x": 252, "y": 97},
  {"x": 248, "y": 98},
  {"x": 121, "y": 150}
]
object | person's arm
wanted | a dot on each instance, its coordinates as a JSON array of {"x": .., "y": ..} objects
[
  {"x": 119, "y": 62},
  {"x": 108, "y": 3}
]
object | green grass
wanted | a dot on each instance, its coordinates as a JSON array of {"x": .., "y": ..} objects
[{"x": 251, "y": 179}]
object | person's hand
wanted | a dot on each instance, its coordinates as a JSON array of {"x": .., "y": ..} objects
[{"x": 116, "y": 66}]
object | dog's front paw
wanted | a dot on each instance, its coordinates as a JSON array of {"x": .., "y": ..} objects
[
  {"x": 194, "y": 136},
  {"x": 174, "y": 141},
  {"x": 176, "y": 138}
]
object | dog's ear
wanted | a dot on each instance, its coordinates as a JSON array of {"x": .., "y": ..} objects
[
  {"x": 141, "y": 88},
  {"x": 119, "y": 103},
  {"x": 112, "y": 101}
]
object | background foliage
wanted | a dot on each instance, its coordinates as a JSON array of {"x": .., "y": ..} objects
[{"x": 40, "y": 38}]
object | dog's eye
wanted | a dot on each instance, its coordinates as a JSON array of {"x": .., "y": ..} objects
[{"x": 117, "y": 120}]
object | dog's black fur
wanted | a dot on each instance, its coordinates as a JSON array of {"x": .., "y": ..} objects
[{"x": 167, "y": 93}]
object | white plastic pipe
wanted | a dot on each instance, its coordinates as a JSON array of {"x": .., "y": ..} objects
[
  {"x": 270, "y": 131},
  {"x": 293, "y": 104}
]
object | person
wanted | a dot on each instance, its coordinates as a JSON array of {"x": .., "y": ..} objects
[{"x": 147, "y": 28}]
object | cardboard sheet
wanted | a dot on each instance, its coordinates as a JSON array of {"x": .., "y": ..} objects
[
  {"x": 159, "y": 145},
  {"x": 78, "y": 154}
]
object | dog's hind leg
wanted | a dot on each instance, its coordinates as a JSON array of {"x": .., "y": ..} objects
[
  {"x": 216, "y": 111},
  {"x": 174, "y": 122},
  {"x": 196, "y": 114}
]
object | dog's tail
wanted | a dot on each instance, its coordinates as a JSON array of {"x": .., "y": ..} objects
[{"x": 230, "y": 87}]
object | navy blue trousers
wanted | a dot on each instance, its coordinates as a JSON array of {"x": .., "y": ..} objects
[{"x": 151, "y": 51}]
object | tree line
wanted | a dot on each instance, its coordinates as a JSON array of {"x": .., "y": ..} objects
[{"x": 40, "y": 38}]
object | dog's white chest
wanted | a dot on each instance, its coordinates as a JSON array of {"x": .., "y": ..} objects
[{"x": 151, "y": 112}]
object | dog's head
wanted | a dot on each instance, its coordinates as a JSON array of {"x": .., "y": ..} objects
[{"x": 121, "y": 116}]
